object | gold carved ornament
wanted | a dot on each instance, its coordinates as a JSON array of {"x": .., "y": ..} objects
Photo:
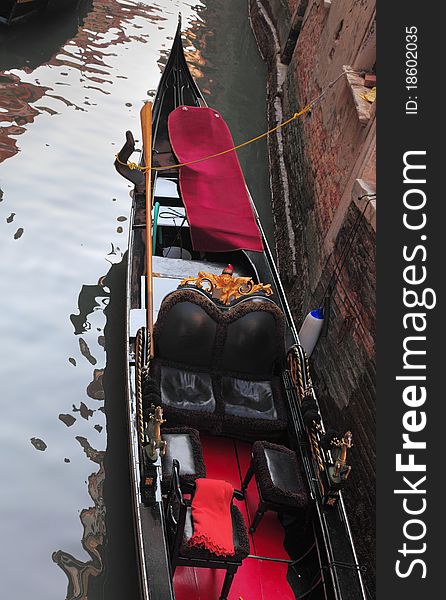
[
  {"x": 225, "y": 287},
  {"x": 340, "y": 470}
]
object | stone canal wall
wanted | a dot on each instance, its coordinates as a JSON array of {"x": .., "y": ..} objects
[{"x": 323, "y": 181}]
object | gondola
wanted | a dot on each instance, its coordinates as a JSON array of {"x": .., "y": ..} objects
[
  {"x": 18, "y": 11},
  {"x": 224, "y": 424},
  {"x": 21, "y": 47}
]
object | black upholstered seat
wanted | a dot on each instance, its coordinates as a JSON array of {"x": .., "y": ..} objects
[
  {"x": 239, "y": 538},
  {"x": 279, "y": 475},
  {"x": 253, "y": 339},
  {"x": 280, "y": 481},
  {"x": 252, "y": 399},
  {"x": 183, "y": 444},
  {"x": 186, "y": 390},
  {"x": 217, "y": 369},
  {"x": 185, "y": 331},
  {"x": 179, "y": 527}
]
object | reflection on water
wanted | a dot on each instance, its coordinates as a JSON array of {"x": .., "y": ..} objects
[
  {"x": 69, "y": 88},
  {"x": 95, "y": 388},
  {"x": 38, "y": 444},
  {"x": 94, "y": 531},
  {"x": 229, "y": 71},
  {"x": 90, "y": 299},
  {"x": 18, "y": 234},
  {"x": 81, "y": 39},
  {"x": 16, "y": 100},
  {"x": 85, "y": 351},
  {"x": 69, "y": 420},
  {"x": 30, "y": 44}
]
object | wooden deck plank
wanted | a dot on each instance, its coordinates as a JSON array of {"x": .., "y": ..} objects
[
  {"x": 185, "y": 583},
  {"x": 274, "y": 582},
  {"x": 269, "y": 536},
  {"x": 221, "y": 463},
  {"x": 255, "y": 579}
]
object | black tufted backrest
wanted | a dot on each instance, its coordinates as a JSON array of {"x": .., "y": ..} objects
[
  {"x": 245, "y": 340},
  {"x": 185, "y": 333}
]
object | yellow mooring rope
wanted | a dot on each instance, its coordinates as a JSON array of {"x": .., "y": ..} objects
[{"x": 132, "y": 166}]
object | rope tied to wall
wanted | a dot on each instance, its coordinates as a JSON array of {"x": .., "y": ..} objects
[{"x": 134, "y": 166}]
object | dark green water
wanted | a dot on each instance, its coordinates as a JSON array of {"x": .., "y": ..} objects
[{"x": 69, "y": 89}]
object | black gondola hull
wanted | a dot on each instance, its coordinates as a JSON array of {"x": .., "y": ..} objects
[
  {"x": 333, "y": 544},
  {"x": 17, "y": 11}
]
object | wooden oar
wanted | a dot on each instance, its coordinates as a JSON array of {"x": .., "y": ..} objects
[{"x": 146, "y": 126}]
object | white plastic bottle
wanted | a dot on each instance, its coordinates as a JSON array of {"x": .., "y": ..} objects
[{"x": 311, "y": 330}]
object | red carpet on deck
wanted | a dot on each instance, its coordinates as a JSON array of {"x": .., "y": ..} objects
[
  {"x": 214, "y": 191},
  {"x": 255, "y": 579}
]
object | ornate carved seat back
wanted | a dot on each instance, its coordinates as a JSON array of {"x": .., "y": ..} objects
[
  {"x": 217, "y": 365},
  {"x": 245, "y": 340},
  {"x": 185, "y": 332}
]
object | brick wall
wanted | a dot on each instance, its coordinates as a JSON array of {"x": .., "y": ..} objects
[{"x": 322, "y": 168}]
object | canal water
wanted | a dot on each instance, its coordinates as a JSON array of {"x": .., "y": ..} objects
[{"x": 69, "y": 89}]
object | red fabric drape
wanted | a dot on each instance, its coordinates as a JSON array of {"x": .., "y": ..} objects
[
  {"x": 214, "y": 191},
  {"x": 211, "y": 514}
]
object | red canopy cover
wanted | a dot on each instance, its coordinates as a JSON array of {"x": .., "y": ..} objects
[{"x": 214, "y": 191}]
